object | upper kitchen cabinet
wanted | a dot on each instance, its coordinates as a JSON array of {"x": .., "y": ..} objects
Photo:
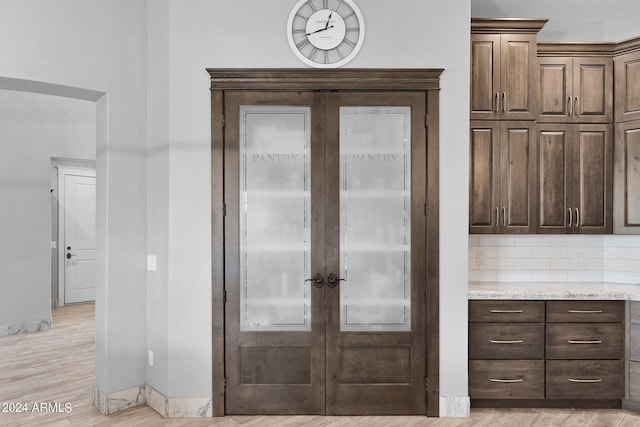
[
  {"x": 576, "y": 82},
  {"x": 627, "y": 75},
  {"x": 575, "y": 178},
  {"x": 501, "y": 176},
  {"x": 504, "y": 69}
]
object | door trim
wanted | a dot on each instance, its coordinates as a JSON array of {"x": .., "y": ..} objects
[{"x": 424, "y": 80}]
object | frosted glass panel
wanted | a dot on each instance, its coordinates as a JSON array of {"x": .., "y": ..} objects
[
  {"x": 375, "y": 218},
  {"x": 274, "y": 218}
]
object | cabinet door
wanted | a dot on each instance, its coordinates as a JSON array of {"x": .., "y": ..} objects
[
  {"x": 626, "y": 210},
  {"x": 519, "y": 77},
  {"x": 555, "y": 89},
  {"x": 627, "y": 75},
  {"x": 485, "y": 76},
  {"x": 592, "y": 90},
  {"x": 516, "y": 175},
  {"x": 554, "y": 174},
  {"x": 592, "y": 184},
  {"x": 593, "y": 179},
  {"x": 483, "y": 194}
]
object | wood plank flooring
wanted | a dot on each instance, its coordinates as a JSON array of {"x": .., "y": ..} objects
[{"x": 56, "y": 366}]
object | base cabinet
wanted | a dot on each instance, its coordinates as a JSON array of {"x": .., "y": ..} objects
[{"x": 551, "y": 353}]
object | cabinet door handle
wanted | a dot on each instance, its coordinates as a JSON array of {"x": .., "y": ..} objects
[
  {"x": 504, "y": 101},
  {"x": 569, "y": 106},
  {"x": 497, "y": 108},
  {"x": 506, "y": 311},
  {"x": 577, "y": 217},
  {"x": 585, "y": 341},
  {"x": 585, "y": 311},
  {"x": 570, "y": 217},
  {"x": 498, "y": 380},
  {"x": 594, "y": 380},
  {"x": 504, "y": 216},
  {"x": 506, "y": 341},
  {"x": 575, "y": 107},
  {"x": 497, "y": 216}
]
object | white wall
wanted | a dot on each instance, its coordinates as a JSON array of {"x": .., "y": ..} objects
[
  {"x": 204, "y": 33},
  {"x": 34, "y": 128},
  {"x": 570, "y": 20},
  {"x": 99, "y": 47}
]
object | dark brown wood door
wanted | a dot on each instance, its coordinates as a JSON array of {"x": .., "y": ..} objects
[
  {"x": 501, "y": 175},
  {"x": 485, "y": 76},
  {"x": 556, "y": 89},
  {"x": 575, "y": 184},
  {"x": 325, "y": 253},
  {"x": 592, "y": 178},
  {"x": 519, "y": 77},
  {"x": 592, "y": 90}
]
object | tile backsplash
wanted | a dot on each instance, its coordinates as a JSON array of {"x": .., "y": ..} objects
[{"x": 545, "y": 258}]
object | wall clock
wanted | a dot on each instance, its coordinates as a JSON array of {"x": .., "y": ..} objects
[{"x": 325, "y": 33}]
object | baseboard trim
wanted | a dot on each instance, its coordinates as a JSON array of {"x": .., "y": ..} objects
[
  {"x": 178, "y": 407},
  {"x": 455, "y": 406},
  {"x": 24, "y": 327},
  {"x": 110, "y": 403}
]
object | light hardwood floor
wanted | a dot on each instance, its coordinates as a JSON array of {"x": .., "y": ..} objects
[{"x": 57, "y": 366}]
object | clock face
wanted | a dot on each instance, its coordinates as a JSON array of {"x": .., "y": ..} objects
[{"x": 325, "y": 33}]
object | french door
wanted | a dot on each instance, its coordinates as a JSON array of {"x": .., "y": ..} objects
[{"x": 324, "y": 249}]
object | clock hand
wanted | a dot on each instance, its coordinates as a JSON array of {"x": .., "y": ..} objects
[
  {"x": 328, "y": 20},
  {"x": 321, "y": 29}
]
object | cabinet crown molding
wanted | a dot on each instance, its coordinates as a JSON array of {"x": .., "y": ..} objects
[
  {"x": 507, "y": 25},
  {"x": 575, "y": 49},
  {"x": 628, "y": 46},
  {"x": 320, "y": 79}
]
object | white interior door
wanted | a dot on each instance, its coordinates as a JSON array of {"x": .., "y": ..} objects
[{"x": 79, "y": 238}]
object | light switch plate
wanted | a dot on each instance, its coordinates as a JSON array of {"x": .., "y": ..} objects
[{"x": 152, "y": 264}]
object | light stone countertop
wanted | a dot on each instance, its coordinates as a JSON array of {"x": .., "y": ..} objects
[{"x": 554, "y": 291}]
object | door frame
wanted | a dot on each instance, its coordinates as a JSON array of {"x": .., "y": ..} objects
[
  {"x": 63, "y": 171},
  {"x": 370, "y": 80}
]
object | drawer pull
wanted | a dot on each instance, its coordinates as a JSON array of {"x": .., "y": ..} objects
[
  {"x": 585, "y": 311},
  {"x": 595, "y": 380},
  {"x": 497, "y": 380},
  {"x": 507, "y": 311},
  {"x": 585, "y": 341},
  {"x": 506, "y": 341}
]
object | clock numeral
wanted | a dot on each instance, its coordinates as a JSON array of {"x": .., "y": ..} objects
[
  {"x": 313, "y": 53},
  {"x": 326, "y": 57},
  {"x": 302, "y": 44},
  {"x": 312, "y": 6},
  {"x": 349, "y": 42},
  {"x": 352, "y": 29},
  {"x": 339, "y": 52},
  {"x": 299, "y": 31},
  {"x": 305, "y": 17},
  {"x": 349, "y": 15},
  {"x": 325, "y": 4}
]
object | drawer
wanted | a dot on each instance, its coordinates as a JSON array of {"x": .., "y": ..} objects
[
  {"x": 506, "y": 311},
  {"x": 506, "y": 379},
  {"x": 506, "y": 340},
  {"x": 585, "y": 341},
  {"x": 585, "y": 379},
  {"x": 585, "y": 311}
]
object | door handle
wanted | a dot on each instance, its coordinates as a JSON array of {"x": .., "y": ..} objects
[
  {"x": 333, "y": 279},
  {"x": 570, "y": 218},
  {"x": 69, "y": 255},
  {"x": 317, "y": 279}
]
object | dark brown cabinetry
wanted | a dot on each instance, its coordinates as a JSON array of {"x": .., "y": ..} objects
[
  {"x": 575, "y": 89},
  {"x": 627, "y": 139},
  {"x": 504, "y": 69},
  {"x": 506, "y": 349},
  {"x": 575, "y": 178},
  {"x": 501, "y": 176},
  {"x": 633, "y": 369},
  {"x": 537, "y": 353}
]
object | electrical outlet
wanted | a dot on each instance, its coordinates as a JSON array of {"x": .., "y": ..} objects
[
  {"x": 150, "y": 358},
  {"x": 481, "y": 257}
]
